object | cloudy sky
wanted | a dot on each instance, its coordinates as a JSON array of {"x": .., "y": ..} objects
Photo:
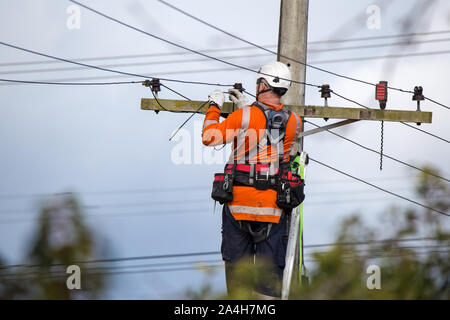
[{"x": 95, "y": 140}]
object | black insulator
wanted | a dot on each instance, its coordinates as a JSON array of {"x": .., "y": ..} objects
[
  {"x": 238, "y": 86},
  {"x": 156, "y": 85},
  {"x": 418, "y": 94},
  {"x": 325, "y": 91}
]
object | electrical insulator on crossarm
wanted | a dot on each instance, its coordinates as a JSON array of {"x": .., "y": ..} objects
[
  {"x": 325, "y": 93},
  {"x": 418, "y": 96},
  {"x": 238, "y": 86}
]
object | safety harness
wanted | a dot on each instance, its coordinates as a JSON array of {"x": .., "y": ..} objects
[
  {"x": 274, "y": 175},
  {"x": 263, "y": 176}
]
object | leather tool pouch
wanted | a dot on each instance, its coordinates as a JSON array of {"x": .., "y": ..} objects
[
  {"x": 222, "y": 189},
  {"x": 290, "y": 191}
]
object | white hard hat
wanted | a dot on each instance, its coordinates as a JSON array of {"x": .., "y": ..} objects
[{"x": 277, "y": 74}]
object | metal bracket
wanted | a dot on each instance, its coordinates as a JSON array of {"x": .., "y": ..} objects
[{"x": 328, "y": 127}]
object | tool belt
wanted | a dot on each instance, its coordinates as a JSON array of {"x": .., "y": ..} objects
[
  {"x": 290, "y": 190},
  {"x": 288, "y": 185},
  {"x": 222, "y": 190}
]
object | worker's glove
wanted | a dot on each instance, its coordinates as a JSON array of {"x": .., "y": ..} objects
[
  {"x": 237, "y": 98},
  {"x": 216, "y": 97}
]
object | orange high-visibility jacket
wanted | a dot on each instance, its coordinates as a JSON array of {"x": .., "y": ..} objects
[{"x": 245, "y": 128}]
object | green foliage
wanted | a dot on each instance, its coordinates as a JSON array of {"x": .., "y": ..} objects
[
  {"x": 60, "y": 240},
  {"x": 409, "y": 270}
]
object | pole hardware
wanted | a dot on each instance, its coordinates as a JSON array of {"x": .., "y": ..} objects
[
  {"x": 418, "y": 96},
  {"x": 325, "y": 94}
]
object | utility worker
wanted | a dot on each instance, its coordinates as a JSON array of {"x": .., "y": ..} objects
[{"x": 254, "y": 226}]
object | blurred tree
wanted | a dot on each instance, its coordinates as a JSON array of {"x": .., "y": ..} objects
[
  {"x": 9, "y": 289},
  {"x": 61, "y": 239}
]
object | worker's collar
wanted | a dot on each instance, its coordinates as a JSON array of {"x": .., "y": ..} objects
[{"x": 272, "y": 106}]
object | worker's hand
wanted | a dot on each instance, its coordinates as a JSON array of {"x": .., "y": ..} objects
[
  {"x": 237, "y": 98},
  {"x": 217, "y": 98}
]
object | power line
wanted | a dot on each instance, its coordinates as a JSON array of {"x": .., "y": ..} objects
[
  {"x": 181, "y": 46},
  {"x": 312, "y": 259},
  {"x": 268, "y": 50},
  {"x": 155, "y": 264},
  {"x": 108, "y": 70},
  {"x": 254, "y": 44},
  {"x": 212, "y": 264},
  {"x": 406, "y": 124},
  {"x": 121, "y": 215},
  {"x": 234, "y": 69},
  {"x": 109, "y": 268},
  {"x": 438, "y": 103},
  {"x": 170, "y": 189},
  {"x": 251, "y": 43},
  {"x": 426, "y": 132},
  {"x": 198, "y": 210},
  {"x": 205, "y": 253},
  {"x": 185, "y": 210},
  {"x": 106, "y": 192},
  {"x": 130, "y": 64},
  {"x": 379, "y": 188},
  {"x": 70, "y": 83},
  {"x": 384, "y": 37},
  {"x": 390, "y": 56},
  {"x": 122, "y": 206},
  {"x": 197, "y": 268},
  {"x": 377, "y": 152},
  {"x": 130, "y": 56},
  {"x": 151, "y": 257},
  {"x": 145, "y": 63},
  {"x": 185, "y": 48},
  {"x": 127, "y": 56},
  {"x": 380, "y": 45},
  {"x": 156, "y": 75},
  {"x": 127, "y": 64},
  {"x": 351, "y": 243},
  {"x": 212, "y": 267},
  {"x": 176, "y": 92},
  {"x": 188, "y": 118}
]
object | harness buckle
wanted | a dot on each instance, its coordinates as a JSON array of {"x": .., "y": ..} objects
[
  {"x": 262, "y": 180},
  {"x": 264, "y": 176}
]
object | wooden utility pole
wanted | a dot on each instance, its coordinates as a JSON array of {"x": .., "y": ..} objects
[{"x": 292, "y": 43}]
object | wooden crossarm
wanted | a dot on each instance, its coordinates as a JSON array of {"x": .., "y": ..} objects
[{"x": 306, "y": 111}]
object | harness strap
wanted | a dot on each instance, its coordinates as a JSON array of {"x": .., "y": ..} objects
[
  {"x": 267, "y": 137},
  {"x": 258, "y": 235},
  {"x": 239, "y": 140},
  {"x": 252, "y": 174},
  {"x": 297, "y": 132}
]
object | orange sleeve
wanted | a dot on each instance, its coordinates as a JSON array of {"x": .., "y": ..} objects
[{"x": 215, "y": 132}]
